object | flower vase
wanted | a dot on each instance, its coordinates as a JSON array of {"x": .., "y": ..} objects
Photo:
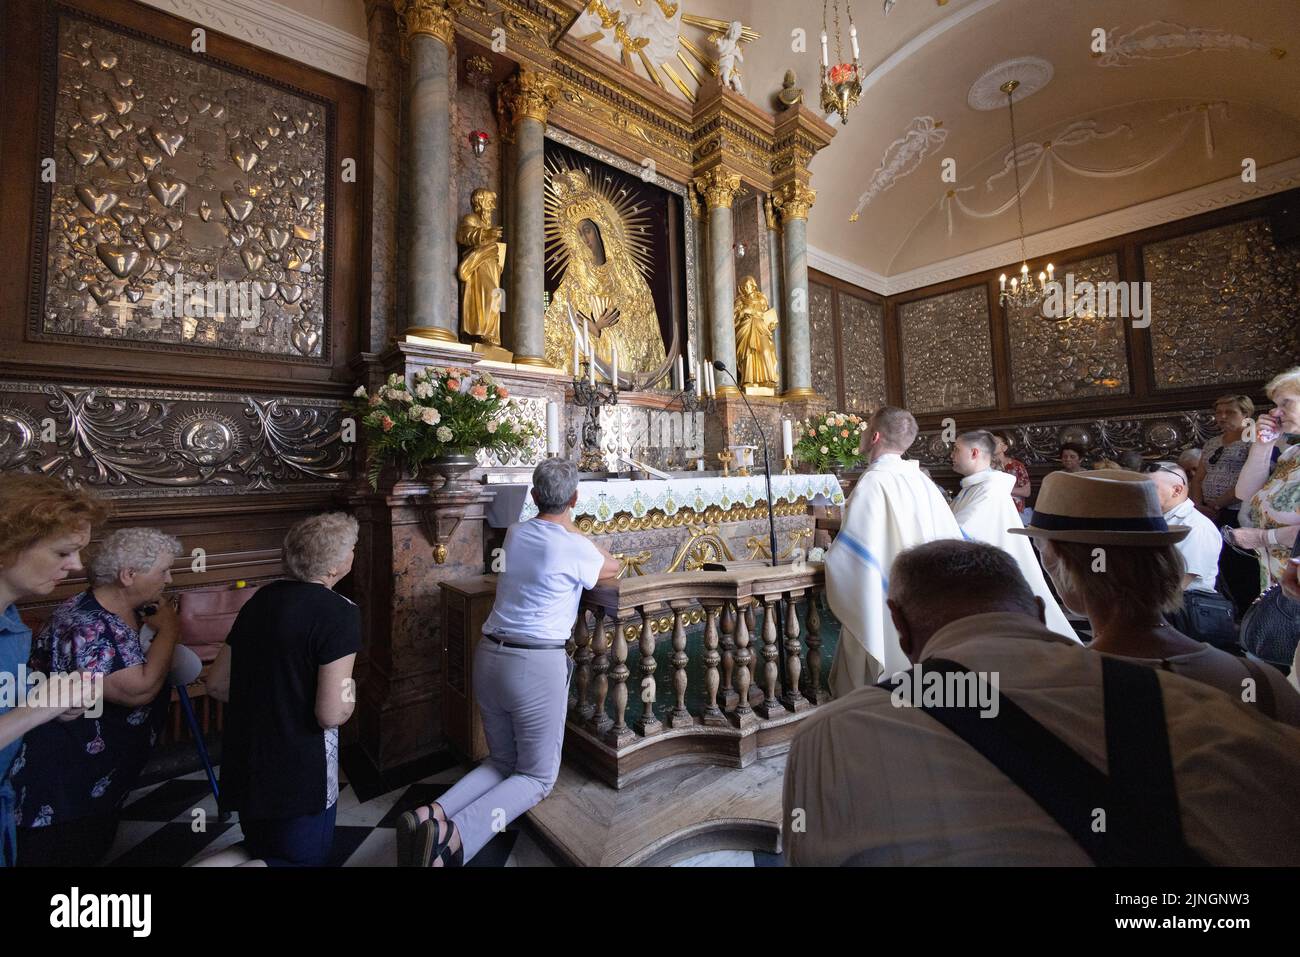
[{"x": 451, "y": 467}]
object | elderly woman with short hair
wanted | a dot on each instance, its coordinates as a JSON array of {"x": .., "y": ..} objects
[
  {"x": 1270, "y": 490},
  {"x": 73, "y": 777},
  {"x": 44, "y": 525},
  {"x": 520, "y": 678},
  {"x": 286, "y": 671}
]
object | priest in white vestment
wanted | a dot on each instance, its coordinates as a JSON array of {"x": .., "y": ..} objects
[
  {"x": 892, "y": 508},
  {"x": 985, "y": 510}
]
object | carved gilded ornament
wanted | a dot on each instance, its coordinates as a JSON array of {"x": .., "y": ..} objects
[
  {"x": 793, "y": 200},
  {"x": 769, "y": 214},
  {"x": 433, "y": 18},
  {"x": 530, "y": 93},
  {"x": 718, "y": 187}
]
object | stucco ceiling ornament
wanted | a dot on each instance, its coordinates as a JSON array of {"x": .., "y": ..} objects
[
  {"x": 923, "y": 136},
  {"x": 1165, "y": 40}
]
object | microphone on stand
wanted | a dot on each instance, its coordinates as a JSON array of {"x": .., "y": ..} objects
[{"x": 767, "y": 469}]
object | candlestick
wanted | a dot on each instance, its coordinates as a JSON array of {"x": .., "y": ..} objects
[
  {"x": 789, "y": 465},
  {"x": 552, "y": 428}
]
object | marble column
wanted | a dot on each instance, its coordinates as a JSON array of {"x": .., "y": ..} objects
[
  {"x": 528, "y": 97},
  {"x": 778, "y": 283},
  {"x": 792, "y": 201},
  {"x": 383, "y": 79},
  {"x": 431, "y": 284},
  {"x": 719, "y": 188}
]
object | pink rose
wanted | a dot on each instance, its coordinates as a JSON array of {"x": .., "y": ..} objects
[
  {"x": 453, "y": 385},
  {"x": 478, "y": 392},
  {"x": 502, "y": 393},
  {"x": 375, "y": 400},
  {"x": 387, "y": 424}
]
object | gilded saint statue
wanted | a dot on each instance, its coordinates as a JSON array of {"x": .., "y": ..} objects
[
  {"x": 598, "y": 238},
  {"x": 755, "y": 336},
  {"x": 480, "y": 269}
]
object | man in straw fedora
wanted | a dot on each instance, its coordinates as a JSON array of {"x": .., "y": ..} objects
[
  {"x": 1087, "y": 758},
  {"x": 1113, "y": 558}
]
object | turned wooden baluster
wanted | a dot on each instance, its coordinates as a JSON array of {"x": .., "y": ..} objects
[
  {"x": 582, "y": 658},
  {"x": 598, "y": 721},
  {"x": 770, "y": 706},
  {"x": 728, "y": 656},
  {"x": 619, "y": 734},
  {"x": 812, "y": 688},
  {"x": 680, "y": 717},
  {"x": 712, "y": 713},
  {"x": 743, "y": 715},
  {"x": 791, "y": 696},
  {"x": 647, "y": 724}
]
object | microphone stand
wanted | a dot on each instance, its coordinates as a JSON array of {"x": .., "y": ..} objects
[{"x": 771, "y": 525}]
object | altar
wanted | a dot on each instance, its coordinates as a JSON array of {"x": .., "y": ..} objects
[{"x": 682, "y": 523}]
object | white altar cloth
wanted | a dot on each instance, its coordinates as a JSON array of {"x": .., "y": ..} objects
[{"x": 605, "y": 499}]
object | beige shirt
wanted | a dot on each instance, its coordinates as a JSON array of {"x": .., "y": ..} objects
[{"x": 872, "y": 783}]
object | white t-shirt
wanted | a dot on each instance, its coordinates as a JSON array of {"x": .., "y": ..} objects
[
  {"x": 1200, "y": 549},
  {"x": 545, "y": 569}
]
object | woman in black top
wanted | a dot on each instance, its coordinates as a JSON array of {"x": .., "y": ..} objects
[{"x": 286, "y": 672}]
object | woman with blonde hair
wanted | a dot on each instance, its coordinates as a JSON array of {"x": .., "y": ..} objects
[
  {"x": 286, "y": 671},
  {"x": 1269, "y": 489},
  {"x": 44, "y": 525}
]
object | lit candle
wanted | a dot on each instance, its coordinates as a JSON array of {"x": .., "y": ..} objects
[
  {"x": 853, "y": 37},
  {"x": 552, "y": 428},
  {"x": 1051, "y": 271},
  {"x": 1014, "y": 282},
  {"x": 826, "y": 57},
  {"x": 1042, "y": 277},
  {"x": 614, "y": 367},
  {"x": 1002, "y": 282},
  {"x": 1024, "y": 269},
  {"x": 680, "y": 384},
  {"x": 787, "y": 437}
]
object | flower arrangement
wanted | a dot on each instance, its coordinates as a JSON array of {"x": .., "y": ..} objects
[
  {"x": 444, "y": 411},
  {"x": 834, "y": 438}
]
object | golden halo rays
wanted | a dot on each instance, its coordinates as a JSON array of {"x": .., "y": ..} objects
[{"x": 569, "y": 200}]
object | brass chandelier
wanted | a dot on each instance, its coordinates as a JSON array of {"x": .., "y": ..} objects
[{"x": 1024, "y": 293}]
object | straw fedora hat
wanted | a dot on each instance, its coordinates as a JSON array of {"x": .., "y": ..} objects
[{"x": 1101, "y": 507}]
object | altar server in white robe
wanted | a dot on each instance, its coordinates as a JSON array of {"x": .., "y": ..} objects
[
  {"x": 985, "y": 511},
  {"x": 892, "y": 508}
]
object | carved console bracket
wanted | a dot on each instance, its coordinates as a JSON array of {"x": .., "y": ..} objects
[{"x": 442, "y": 514}]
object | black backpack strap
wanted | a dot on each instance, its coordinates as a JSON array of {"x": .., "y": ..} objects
[
  {"x": 1063, "y": 784},
  {"x": 1069, "y": 788},
  {"x": 1143, "y": 817}
]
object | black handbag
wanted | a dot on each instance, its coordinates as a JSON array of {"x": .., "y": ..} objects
[{"x": 1270, "y": 629}]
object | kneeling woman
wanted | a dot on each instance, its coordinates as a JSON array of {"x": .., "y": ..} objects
[{"x": 286, "y": 671}]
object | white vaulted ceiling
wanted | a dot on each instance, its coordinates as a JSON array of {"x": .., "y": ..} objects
[{"x": 1198, "y": 86}]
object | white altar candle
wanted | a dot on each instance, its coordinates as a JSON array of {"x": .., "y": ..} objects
[
  {"x": 552, "y": 428},
  {"x": 690, "y": 357},
  {"x": 710, "y": 383},
  {"x": 826, "y": 57},
  {"x": 577, "y": 367},
  {"x": 680, "y": 384},
  {"x": 787, "y": 437},
  {"x": 614, "y": 367},
  {"x": 591, "y": 365},
  {"x": 699, "y": 383},
  {"x": 853, "y": 37},
  {"x": 699, "y": 464}
]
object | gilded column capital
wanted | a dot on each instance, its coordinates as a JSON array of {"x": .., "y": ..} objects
[
  {"x": 433, "y": 18},
  {"x": 530, "y": 93},
  {"x": 718, "y": 187},
  {"x": 793, "y": 200}
]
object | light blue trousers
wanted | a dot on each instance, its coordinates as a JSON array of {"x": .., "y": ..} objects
[{"x": 523, "y": 695}]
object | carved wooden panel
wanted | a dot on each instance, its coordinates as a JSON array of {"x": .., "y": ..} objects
[
  {"x": 132, "y": 443},
  {"x": 862, "y": 332},
  {"x": 821, "y": 323},
  {"x": 947, "y": 353},
  {"x": 1224, "y": 306},
  {"x": 1084, "y": 355},
  {"x": 192, "y": 202}
]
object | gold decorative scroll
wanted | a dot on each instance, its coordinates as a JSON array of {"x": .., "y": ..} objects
[
  {"x": 718, "y": 187},
  {"x": 793, "y": 200},
  {"x": 530, "y": 93},
  {"x": 656, "y": 518}
]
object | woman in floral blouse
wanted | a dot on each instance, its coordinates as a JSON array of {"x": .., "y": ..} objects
[
  {"x": 1270, "y": 511},
  {"x": 1214, "y": 491},
  {"x": 72, "y": 777}
]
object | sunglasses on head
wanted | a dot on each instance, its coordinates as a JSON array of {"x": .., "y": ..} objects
[{"x": 1157, "y": 467}]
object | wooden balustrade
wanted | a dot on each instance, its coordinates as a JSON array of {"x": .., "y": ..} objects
[{"x": 740, "y": 656}]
